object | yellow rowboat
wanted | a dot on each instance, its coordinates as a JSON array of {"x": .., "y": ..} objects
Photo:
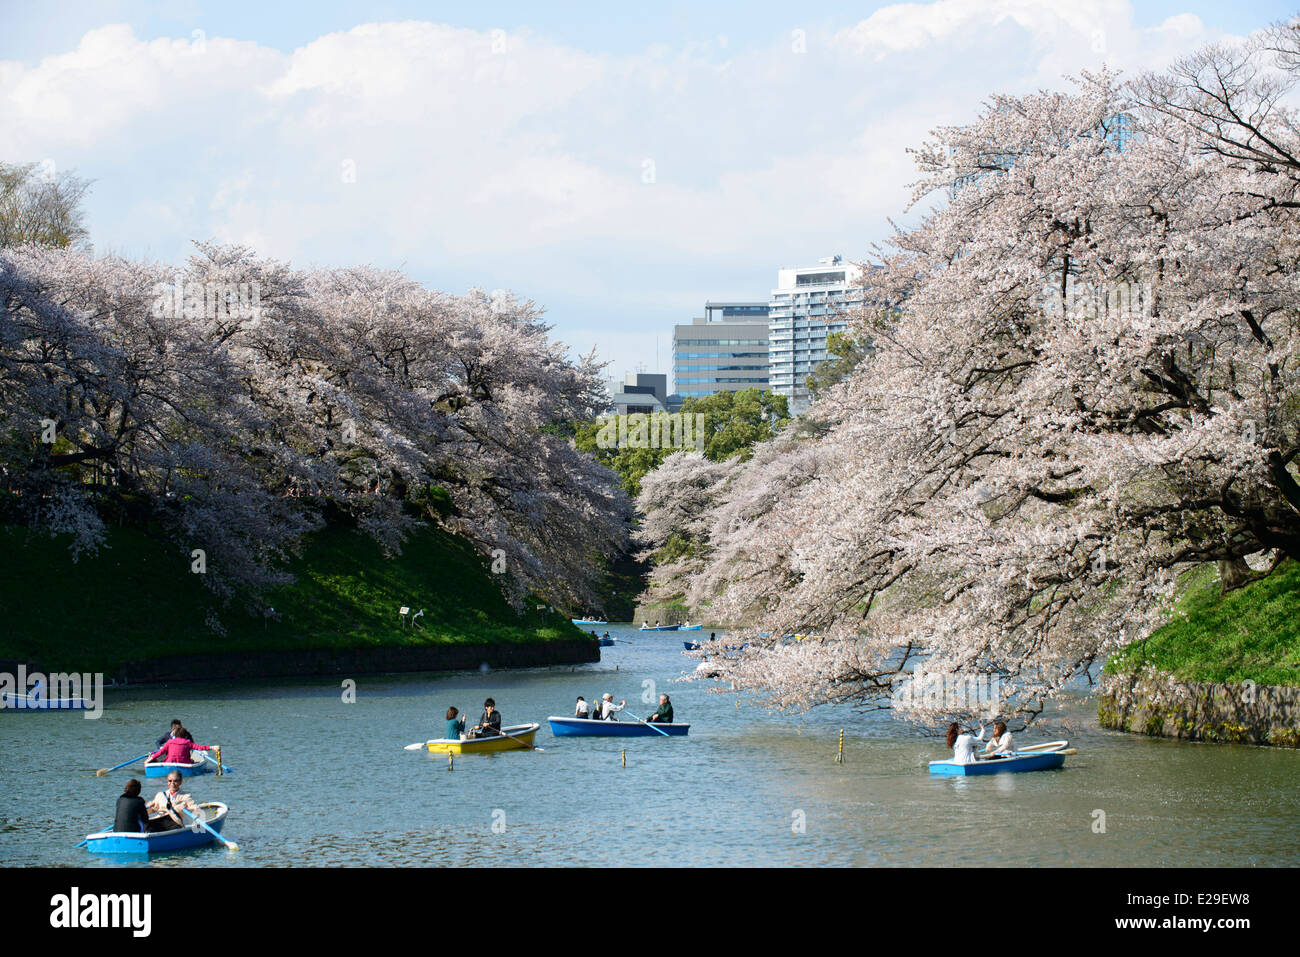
[{"x": 522, "y": 738}]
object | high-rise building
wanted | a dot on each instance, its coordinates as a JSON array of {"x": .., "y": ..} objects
[
  {"x": 725, "y": 351},
  {"x": 808, "y": 304}
]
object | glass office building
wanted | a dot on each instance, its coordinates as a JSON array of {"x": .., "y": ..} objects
[{"x": 725, "y": 351}]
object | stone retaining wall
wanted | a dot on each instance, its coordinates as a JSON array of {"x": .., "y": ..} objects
[{"x": 1157, "y": 704}]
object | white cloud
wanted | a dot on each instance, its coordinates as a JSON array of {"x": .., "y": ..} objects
[{"x": 513, "y": 160}]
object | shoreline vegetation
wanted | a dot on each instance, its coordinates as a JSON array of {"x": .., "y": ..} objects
[
  {"x": 136, "y": 609},
  {"x": 1217, "y": 636}
]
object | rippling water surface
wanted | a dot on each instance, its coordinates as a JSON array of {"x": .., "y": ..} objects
[{"x": 321, "y": 782}]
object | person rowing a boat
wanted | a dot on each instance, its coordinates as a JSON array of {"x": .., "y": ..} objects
[
  {"x": 1000, "y": 743},
  {"x": 489, "y": 725},
  {"x": 608, "y": 708},
  {"x": 176, "y": 728},
  {"x": 177, "y": 749},
  {"x": 169, "y": 803},
  {"x": 963, "y": 744},
  {"x": 581, "y": 709},
  {"x": 664, "y": 713}
]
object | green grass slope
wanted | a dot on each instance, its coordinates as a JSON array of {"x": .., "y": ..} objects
[
  {"x": 138, "y": 599},
  {"x": 1250, "y": 633}
]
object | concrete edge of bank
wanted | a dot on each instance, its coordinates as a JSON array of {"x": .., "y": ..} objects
[
  {"x": 1160, "y": 705},
  {"x": 345, "y": 662}
]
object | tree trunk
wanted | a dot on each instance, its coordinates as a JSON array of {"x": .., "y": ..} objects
[{"x": 1234, "y": 572}]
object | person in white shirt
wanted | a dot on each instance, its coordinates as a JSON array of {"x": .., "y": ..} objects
[
  {"x": 582, "y": 710},
  {"x": 1000, "y": 743},
  {"x": 167, "y": 806},
  {"x": 963, "y": 745},
  {"x": 608, "y": 708}
]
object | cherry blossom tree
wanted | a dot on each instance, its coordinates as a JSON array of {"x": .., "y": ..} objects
[
  {"x": 238, "y": 404},
  {"x": 1085, "y": 384}
]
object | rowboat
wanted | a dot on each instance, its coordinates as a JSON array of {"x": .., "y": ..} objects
[
  {"x": 605, "y": 642},
  {"x": 598, "y": 728},
  {"x": 588, "y": 621},
  {"x": 1042, "y": 757},
  {"x": 660, "y": 628},
  {"x": 10, "y": 701},
  {"x": 160, "y": 769},
  {"x": 180, "y": 839},
  {"x": 523, "y": 737},
  {"x": 690, "y": 627},
  {"x": 691, "y": 645}
]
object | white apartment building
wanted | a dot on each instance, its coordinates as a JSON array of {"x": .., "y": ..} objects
[{"x": 809, "y": 303}]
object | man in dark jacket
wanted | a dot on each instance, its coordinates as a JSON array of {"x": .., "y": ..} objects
[
  {"x": 489, "y": 725},
  {"x": 664, "y": 713},
  {"x": 176, "y": 726}
]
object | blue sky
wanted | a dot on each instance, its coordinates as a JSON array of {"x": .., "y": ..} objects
[{"x": 619, "y": 164}]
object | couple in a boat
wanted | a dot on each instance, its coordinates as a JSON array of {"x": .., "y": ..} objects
[{"x": 963, "y": 745}]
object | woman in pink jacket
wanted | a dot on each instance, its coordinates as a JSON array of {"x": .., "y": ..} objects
[{"x": 177, "y": 749}]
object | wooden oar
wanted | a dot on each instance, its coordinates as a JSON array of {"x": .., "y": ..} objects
[
  {"x": 1048, "y": 746},
  {"x": 102, "y": 771},
  {"x": 230, "y": 845}
]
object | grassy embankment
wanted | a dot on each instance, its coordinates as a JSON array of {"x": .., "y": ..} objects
[
  {"x": 137, "y": 599},
  {"x": 1250, "y": 633}
]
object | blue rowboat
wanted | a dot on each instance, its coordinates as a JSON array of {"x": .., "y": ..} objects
[
  {"x": 588, "y": 621},
  {"x": 691, "y": 645},
  {"x": 660, "y": 628},
  {"x": 605, "y": 642},
  {"x": 1020, "y": 761},
  {"x": 598, "y": 728},
  {"x": 37, "y": 702},
  {"x": 180, "y": 839},
  {"x": 160, "y": 769},
  {"x": 690, "y": 627}
]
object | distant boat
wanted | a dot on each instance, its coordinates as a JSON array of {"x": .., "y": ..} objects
[
  {"x": 588, "y": 621},
  {"x": 1038, "y": 759},
  {"x": 160, "y": 769},
  {"x": 600, "y": 728},
  {"x": 153, "y": 842},
  {"x": 660, "y": 627},
  {"x": 690, "y": 627},
  {"x": 605, "y": 642}
]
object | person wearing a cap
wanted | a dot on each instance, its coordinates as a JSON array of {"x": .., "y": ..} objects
[{"x": 608, "y": 708}]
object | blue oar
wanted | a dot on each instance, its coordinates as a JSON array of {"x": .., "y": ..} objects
[
  {"x": 649, "y": 725},
  {"x": 87, "y": 840},
  {"x": 102, "y": 771},
  {"x": 230, "y": 845}
]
